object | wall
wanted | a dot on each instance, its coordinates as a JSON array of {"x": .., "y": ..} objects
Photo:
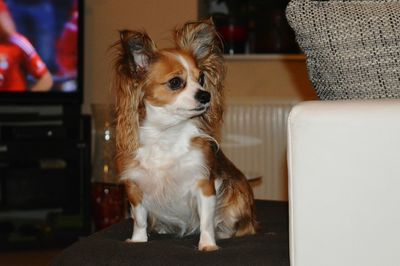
[{"x": 272, "y": 78}]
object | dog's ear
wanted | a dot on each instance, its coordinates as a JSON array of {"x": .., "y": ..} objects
[
  {"x": 201, "y": 38},
  {"x": 138, "y": 49},
  {"x": 135, "y": 52}
]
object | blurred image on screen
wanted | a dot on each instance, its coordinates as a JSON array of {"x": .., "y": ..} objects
[{"x": 38, "y": 45}]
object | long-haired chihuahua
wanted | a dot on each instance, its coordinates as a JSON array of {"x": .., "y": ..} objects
[{"x": 169, "y": 107}]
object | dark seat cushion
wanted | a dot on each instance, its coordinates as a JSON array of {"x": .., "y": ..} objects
[{"x": 270, "y": 246}]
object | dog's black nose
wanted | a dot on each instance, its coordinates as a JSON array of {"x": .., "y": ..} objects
[{"x": 203, "y": 96}]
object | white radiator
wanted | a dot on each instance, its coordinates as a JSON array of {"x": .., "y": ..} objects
[{"x": 254, "y": 138}]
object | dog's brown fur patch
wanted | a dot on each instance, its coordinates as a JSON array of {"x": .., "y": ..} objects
[
  {"x": 207, "y": 187},
  {"x": 133, "y": 192}
]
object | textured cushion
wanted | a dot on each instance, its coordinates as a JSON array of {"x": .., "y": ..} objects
[{"x": 352, "y": 47}]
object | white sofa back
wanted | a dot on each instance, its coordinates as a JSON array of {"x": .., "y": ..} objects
[{"x": 344, "y": 183}]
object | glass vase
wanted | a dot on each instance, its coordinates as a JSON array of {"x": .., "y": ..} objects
[{"x": 107, "y": 194}]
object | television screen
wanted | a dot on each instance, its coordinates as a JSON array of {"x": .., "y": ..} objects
[{"x": 40, "y": 51}]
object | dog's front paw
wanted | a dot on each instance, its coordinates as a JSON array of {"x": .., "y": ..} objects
[
  {"x": 131, "y": 240},
  {"x": 138, "y": 238},
  {"x": 207, "y": 241},
  {"x": 208, "y": 248}
]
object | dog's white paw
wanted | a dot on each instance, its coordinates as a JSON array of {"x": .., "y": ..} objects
[
  {"x": 207, "y": 241},
  {"x": 131, "y": 240},
  {"x": 138, "y": 237},
  {"x": 136, "y": 240},
  {"x": 208, "y": 248}
]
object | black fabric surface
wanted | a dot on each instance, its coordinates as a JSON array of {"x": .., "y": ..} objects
[{"x": 270, "y": 246}]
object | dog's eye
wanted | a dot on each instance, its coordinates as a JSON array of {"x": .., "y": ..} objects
[
  {"x": 175, "y": 83},
  {"x": 201, "y": 79}
]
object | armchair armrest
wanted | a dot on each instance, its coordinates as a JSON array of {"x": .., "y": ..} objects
[{"x": 344, "y": 183}]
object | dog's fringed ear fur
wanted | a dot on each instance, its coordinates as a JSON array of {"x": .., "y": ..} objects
[
  {"x": 135, "y": 52},
  {"x": 202, "y": 40},
  {"x": 200, "y": 37},
  {"x": 138, "y": 50}
]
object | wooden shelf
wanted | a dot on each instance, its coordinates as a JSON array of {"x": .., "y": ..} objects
[{"x": 264, "y": 57}]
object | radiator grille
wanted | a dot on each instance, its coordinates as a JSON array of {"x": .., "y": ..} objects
[{"x": 254, "y": 138}]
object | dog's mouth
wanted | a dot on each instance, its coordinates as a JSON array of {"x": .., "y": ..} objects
[
  {"x": 201, "y": 108},
  {"x": 198, "y": 110}
]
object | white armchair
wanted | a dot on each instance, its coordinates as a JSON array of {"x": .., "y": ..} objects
[{"x": 344, "y": 183}]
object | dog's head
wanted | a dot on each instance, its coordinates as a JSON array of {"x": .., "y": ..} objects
[{"x": 183, "y": 82}]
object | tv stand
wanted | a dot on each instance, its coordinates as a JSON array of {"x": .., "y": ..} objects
[
  {"x": 45, "y": 176},
  {"x": 41, "y": 109}
]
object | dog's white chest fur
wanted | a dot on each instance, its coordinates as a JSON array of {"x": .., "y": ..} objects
[{"x": 168, "y": 173}]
